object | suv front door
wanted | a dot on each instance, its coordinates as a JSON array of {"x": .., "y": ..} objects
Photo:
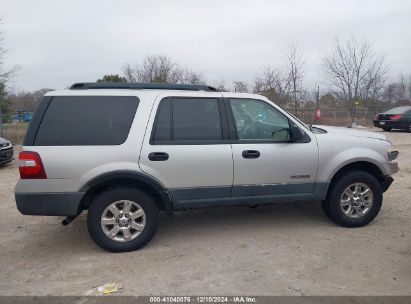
[
  {"x": 187, "y": 148},
  {"x": 268, "y": 165}
]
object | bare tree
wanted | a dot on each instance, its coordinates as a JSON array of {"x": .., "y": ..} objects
[
  {"x": 221, "y": 86},
  {"x": 240, "y": 86},
  {"x": 5, "y": 76},
  {"x": 273, "y": 84},
  {"x": 191, "y": 77},
  {"x": 399, "y": 92},
  {"x": 353, "y": 69},
  {"x": 160, "y": 69},
  {"x": 26, "y": 101},
  {"x": 295, "y": 65}
]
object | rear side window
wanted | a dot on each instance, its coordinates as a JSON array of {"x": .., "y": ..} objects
[
  {"x": 187, "y": 120},
  {"x": 86, "y": 120}
]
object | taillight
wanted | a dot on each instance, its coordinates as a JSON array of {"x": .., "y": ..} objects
[
  {"x": 395, "y": 117},
  {"x": 376, "y": 117},
  {"x": 31, "y": 166}
]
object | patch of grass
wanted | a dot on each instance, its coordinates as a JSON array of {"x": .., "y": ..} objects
[{"x": 14, "y": 132}]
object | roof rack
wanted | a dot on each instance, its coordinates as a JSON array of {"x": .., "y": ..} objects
[{"x": 141, "y": 86}]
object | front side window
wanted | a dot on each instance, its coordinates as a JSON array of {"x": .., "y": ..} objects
[
  {"x": 187, "y": 119},
  {"x": 257, "y": 120}
]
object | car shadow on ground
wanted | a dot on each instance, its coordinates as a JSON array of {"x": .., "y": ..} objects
[
  {"x": 184, "y": 226},
  {"x": 393, "y": 131}
]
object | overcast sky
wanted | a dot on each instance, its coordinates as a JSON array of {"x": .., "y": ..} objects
[{"x": 61, "y": 42}]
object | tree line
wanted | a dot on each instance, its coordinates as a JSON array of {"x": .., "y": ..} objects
[{"x": 356, "y": 78}]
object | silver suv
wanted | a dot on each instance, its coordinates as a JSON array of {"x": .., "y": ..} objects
[{"x": 126, "y": 151}]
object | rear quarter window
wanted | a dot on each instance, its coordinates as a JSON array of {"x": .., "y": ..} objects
[{"x": 86, "y": 120}]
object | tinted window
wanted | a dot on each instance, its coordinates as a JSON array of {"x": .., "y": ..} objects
[
  {"x": 196, "y": 119},
  {"x": 257, "y": 120},
  {"x": 86, "y": 120},
  {"x": 188, "y": 119},
  {"x": 162, "y": 127}
]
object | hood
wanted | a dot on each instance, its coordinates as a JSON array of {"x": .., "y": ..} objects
[
  {"x": 3, "y": 141},
  {"x": 351, "y": 132}
]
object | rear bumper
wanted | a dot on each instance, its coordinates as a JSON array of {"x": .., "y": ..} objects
[
  {"x": 47, "y": 203},
  {"x": 395, "y": 124}
]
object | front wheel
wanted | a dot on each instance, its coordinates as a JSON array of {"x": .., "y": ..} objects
[
  {"x": 122, "y": 219},
  {"x": 354, "y": 199}
]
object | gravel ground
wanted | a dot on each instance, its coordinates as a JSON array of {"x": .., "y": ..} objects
[{"x": 280, "y": 249}]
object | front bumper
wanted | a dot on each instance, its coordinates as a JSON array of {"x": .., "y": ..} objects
[
  {"x": 394, "y": 168},
  {"x": 6, "y": 155},
  {"x": 386, "y": 183},
  {"x": 49, "y": 203}
]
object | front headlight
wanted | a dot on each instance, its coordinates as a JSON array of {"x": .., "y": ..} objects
[
  {"x": 7, "y": 144},
  {"x": 392, "y": 155}
]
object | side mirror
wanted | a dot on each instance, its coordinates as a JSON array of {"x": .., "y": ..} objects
[{"x": 296, "y": 133}]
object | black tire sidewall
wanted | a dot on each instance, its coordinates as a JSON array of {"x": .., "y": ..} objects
[
  {"x": 332, "y": 204},
  {"x": 99, "y": 204}
]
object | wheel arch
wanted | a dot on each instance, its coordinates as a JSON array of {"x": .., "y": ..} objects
[
  {"x": 365, "y": 166},
  {"x": 140, "y": 180}
]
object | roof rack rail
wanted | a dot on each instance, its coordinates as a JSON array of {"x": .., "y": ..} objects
[{"x": 141, "y": 86}]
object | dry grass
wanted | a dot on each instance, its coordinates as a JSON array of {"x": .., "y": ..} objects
[{"x": 14, "y": 132}]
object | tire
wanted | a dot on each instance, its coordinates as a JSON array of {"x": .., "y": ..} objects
[
  {"x": 387, "y": 129},
  {"x": 409, "y": 128},
  {"x": 333, "y": 207},
  {"x": 145, "y": 220}
]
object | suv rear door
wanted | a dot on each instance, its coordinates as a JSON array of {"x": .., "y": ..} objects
[
  {"x": 186, "y": 147},
  {"x": 267, "y": 165}
]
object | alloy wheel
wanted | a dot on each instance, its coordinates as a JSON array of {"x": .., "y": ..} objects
[
  {"x": 356, "y": 200},
  {"x": 123, "y": 220}
]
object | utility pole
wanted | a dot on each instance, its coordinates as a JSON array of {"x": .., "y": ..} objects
[
  {"x": 355, "y": 103},
  {"x": 317, "y": 101}
]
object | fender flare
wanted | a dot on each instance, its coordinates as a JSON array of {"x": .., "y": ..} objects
[{"x": 142, "y": 177}]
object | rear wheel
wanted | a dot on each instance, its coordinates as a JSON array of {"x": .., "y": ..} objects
[
  {"x": 354, "y": 199},
  {"x": 409, "y": 128},
  {"x": 387, "y": 129},
  {"x": 122, "y": 219}
]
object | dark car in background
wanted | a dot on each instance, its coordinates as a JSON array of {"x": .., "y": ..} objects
[
  {"x": 397, "y": 118},
  {"x": 6, "y": 151}
]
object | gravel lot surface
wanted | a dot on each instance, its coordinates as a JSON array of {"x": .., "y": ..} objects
[{"x": 279, "y": 249}]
